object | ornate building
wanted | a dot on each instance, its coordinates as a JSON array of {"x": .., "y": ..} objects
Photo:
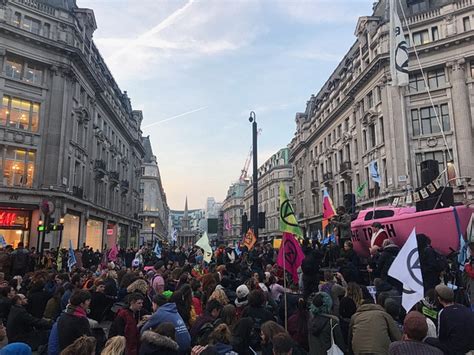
[
  {"x": 358, "y": 117},
  {"x": 233, "y": 209},
  {"x": 155, "y": 210},
  {"x": 276, "y": 170},
  {"x": 68, "y": 134}
]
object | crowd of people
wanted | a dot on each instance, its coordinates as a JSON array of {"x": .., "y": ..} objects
[{"x": 139, "y": 303}]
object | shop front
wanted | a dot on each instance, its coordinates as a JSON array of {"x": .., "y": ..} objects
[
  {"x": 94, "y": 231},
  {"x": 15, "y": 226},
  {"x": 71, "y": 230},
  {"x": 112, "y": 232}
]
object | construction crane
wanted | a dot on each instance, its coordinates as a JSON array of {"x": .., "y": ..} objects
[{"x": 245, "y": 169}]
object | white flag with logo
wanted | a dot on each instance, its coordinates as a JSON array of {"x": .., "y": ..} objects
[
  {"x": 406, "y": 269},
  {"x": 203, "y": 243},
  {"x": 398, "y": 49}
]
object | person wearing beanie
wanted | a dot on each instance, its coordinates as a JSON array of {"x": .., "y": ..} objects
[
  {"x": 241, "y": 301},
  {"x": 322, "y": 323},
  {"x": 455, "y": 331},
  {"x": 415, "y": 329}
]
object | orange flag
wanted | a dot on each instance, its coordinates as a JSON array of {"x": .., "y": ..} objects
[{"x": 250, "y": 239}]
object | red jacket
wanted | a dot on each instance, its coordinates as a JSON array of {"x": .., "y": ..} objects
[
  {"x": 125, "y": 324},
  {"x": 197, "y": 306},
  {"x": 469, "y": 270}
]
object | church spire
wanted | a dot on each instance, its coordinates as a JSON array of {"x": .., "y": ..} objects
[{"x": 185, "y": 220}]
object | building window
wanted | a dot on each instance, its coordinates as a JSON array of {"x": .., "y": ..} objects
[
  {"x": 421, "y": 37},
  {"x": 20, "y": 114},
  {"x": 18, "y": 168},
  {"x": 436, "y": 78},
  {"x": 13, "y": 68},
  {"x": 434, "y": 33},
  {"x": 365, "y": 140},
  {"x": 382, "y": 129},
  {"x": 417, "y": 83},
  {"x": 370, "y": 100},
  {"x": 417, "y": 6},
  {"x": 424, "y": 120},
  {"x": 17, "y": 19},
  {"x": 33, "y": 74},
  {"x": 441, "y": 156},
  {"x": 31, "y": 25},
  {"x": 407, "y": 40},
  {"x": 372, "y": 136},
  {"x": 46, "y": 29},
  {"x": 466, "y": 22}
]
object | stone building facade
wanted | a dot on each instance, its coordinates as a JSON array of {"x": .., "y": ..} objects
[
  {"x": 358, "y": 117},
  {"x": 233, "y": 209},
  {"x": 154, "y": 207},
  {"x": 68, "y": 134},
  {"x": 277, "y": 169}
]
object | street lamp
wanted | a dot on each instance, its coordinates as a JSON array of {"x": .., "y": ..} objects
[
  {"x": 152, "y": 225},
  {"x": 254, "y": 212},
  {"x": 61, "y": 227},
  {"x": 40, "y": 229}
]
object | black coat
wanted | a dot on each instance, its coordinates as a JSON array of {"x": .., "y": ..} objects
[
  {"x": 385, "y": 260},
  {"x": 154, "y": 343},
  {"x": 5, "y": 305},
  {"x": 21, "y": 325},
  {"x": 99, "y": 303},
  {"x": 37, "y": 301},
  {"x": 71, "y": 327}
]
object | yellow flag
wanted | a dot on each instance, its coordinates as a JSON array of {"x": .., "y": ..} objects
[{"x": 288, "y": 221}]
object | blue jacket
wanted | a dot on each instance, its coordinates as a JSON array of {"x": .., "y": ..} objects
[
  {"x": 169, "y": 313},
  {"x": 53, "y": 342}
]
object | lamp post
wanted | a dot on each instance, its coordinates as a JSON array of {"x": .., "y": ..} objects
[
  {"x": 152, "y": 225},
  {"x": 61, "y": 227},
  {"x": 254, "y": 212}
]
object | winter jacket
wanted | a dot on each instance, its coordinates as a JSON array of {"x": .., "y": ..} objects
[
  {"x": 5, "y": 305},
  {"x": 125, "y": 324},
  {"x": 53, "y": 308},
  {"x": 343, "y": 224},
  {"x": 319, "y": 330},
  {"x": 72, "y": 324},
  {"x": 99, "y": 303},
  {"x": 154, "y": 343},
  {"x": 169, "y": 313},
  {"x": 37, "y": 301},
  {"x": 53, "y": 341},
  {"x": 371, "y": 330},
  {"x": 298, "y": 328},
  {"x": 259, "y": 315},
  {"x": 20, "y": 261},
  {"x": 197, "y": 306},
  {"x": 21, "y": 325},
  {"x": 385, "y": 260}
]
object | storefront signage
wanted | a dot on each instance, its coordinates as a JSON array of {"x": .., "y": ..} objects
[
  {"x": 110, "y": 231},
  {"x": 7, "y": 219}
]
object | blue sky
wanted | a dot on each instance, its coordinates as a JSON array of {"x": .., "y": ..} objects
[{"x": 217, "y": 60}]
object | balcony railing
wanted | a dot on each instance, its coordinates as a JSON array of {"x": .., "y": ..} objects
[
  {"x": 99, "y": 168},
  {"x": 345, "y": 168},
  {"x": 114, "y": 177},
  {"x": 327, "y": 176},
  {"x": 124, "y": 185},
  {"x": 77, "y": 191},
  {"x": 314, "y": 185}
]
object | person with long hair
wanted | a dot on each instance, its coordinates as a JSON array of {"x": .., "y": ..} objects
[
  {"x": 84, "y": 345},
  {"x": 183, "y": 298},
  {"x": 114, "y": 346},
  {"x": 242, "y": 336},
  {"x": 220, "y": 340},
  {"x": 267, "y": 332},
  {"x": 227, "y": 315},
  {"x": 348, "y": 306}
]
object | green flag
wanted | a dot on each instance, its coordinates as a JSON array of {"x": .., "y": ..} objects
[
  {"x": 288, "y": 221},
  {"x": 360, "y": 189}
]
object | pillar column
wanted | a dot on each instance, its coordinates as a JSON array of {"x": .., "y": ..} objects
[{"x": 462, "y": 118}]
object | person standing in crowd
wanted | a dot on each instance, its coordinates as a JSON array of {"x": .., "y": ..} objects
[
  {"x": 213, "y": 310},
  {"x": 157, "y": 282},
  {"x": 23, "y": 327},
  {"x": 342, "y": 221},
  {"x": 455, "y": 333},
  {"x": 6, "y": 295},
  {"x": 322, "y": 323},
  {"x": 73, "y": 323},
  {"x": 114, "y": 346},
  {"x": 469, "y": 275},
  {"x": 371, "y": 330},
  {"x": 414, "y": 331},
  {"x": 126, "y": 323},
  {"x": 432, "y": 263},
  {"x": 166, "y": 312},
  {"x": 378, "y": 236},
  {"x": 159, "y": 341},
  {"x": 85, "y": 345},
  {"x": 20, "y": 260}
]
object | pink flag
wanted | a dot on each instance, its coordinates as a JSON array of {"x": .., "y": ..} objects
[
  {"x": 113, "y": 253},
  {"x": 290, "y": 255}
]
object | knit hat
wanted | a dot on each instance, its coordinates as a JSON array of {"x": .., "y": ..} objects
[
  {"x": 319, "y": 303},
  {"x": 16, "y": 349},
  {"x": 138, "y": 285},
  {"x": 242, "y": 291},
  {"x": 415, "y": 326},
  {"x": 445, "y": 292}
]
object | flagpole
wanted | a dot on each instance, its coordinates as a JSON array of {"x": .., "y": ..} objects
[{"x": 284, "y": 282}]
